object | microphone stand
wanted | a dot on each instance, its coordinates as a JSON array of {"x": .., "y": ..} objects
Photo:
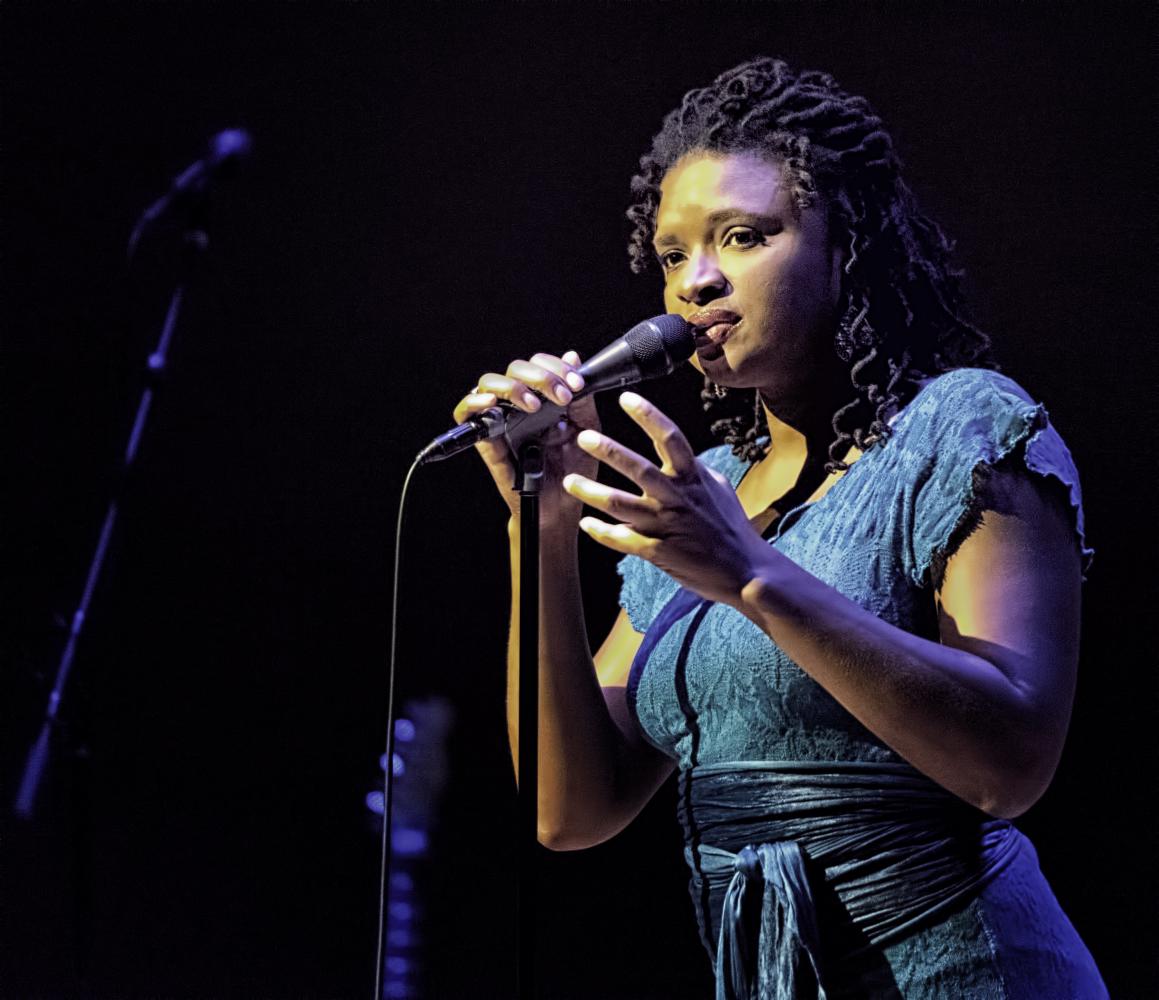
[
  {"x": 196, "y": 243},
  {"x": 529, "y": 480}
]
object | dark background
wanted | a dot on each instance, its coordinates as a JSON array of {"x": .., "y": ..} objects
[{"x": 437, "y": 189}]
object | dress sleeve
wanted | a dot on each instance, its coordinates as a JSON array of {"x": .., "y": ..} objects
[
  {"x": 645, "y": 589},
  {"x": 982, "y": 419}
]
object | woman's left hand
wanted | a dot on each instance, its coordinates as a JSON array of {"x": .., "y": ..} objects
[{"x": 688, "y": 520}]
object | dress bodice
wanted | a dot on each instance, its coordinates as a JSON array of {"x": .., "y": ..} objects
[
  {"x": 714, "y": 688},
  {"x": 823, "y": 865}
]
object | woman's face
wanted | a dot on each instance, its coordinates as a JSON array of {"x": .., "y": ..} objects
[{"x": 756, "y": 276}]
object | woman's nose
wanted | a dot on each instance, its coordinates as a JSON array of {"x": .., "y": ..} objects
[{"x": 702, "y": 280}]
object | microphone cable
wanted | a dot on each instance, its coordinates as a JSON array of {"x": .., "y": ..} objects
[{"x": 388, "y": 771}]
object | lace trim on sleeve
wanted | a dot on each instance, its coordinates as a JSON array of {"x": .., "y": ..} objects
[{"x": 1033, "y": 444}]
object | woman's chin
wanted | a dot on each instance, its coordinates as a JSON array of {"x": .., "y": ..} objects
[
  {"x": 718, "y": 374},
  {"x": 715, "y": 361},
  {"x": 726, "y": 371}
]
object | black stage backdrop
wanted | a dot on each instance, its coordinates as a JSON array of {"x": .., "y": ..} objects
[{"x": 435, "y": 190}]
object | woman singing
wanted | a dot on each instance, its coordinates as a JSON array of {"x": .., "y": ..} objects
[{"x": 852, "y": 628}]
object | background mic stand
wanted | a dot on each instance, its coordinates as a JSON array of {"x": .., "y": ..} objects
[
  {"x": 529, "y": 481},
  {"x": 196, "y": 243}
]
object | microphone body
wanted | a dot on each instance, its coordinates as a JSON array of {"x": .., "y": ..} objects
[{"x": 649, "y": 350}]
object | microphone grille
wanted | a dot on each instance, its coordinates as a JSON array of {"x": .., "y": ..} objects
[{"x": 659, "y": 344}]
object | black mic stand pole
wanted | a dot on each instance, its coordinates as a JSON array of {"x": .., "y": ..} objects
[
  {"x": 529, "y": 480},
  {"x": 196, "y": 242}
]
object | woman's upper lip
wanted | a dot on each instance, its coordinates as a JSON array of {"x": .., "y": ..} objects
[{"x": 704, "y": 318}]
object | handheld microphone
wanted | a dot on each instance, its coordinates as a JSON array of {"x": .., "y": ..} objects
[{"x": 648, "y": 350}]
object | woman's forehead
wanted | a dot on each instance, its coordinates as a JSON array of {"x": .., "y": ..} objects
[{"x": 703, "y": 183}]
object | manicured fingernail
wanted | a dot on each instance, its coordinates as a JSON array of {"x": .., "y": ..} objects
[
  {"x": 575, "y": 380},
  {"x": 531, "y": 400},
  {"x": 563, "y": 394},
  {"x": 630, "y": 401},
  {"x": 587, "y": 439}
]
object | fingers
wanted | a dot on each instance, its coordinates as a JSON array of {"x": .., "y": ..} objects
[
  {"x": 525, "y": 384},
  {"x": 670, "y": 443},
  {"x": 618, "y": 537},
  {"x": 567, "y": 368},
  {"x": 536, "y": 374},
  {"x": 474, "y": 402},
  {"x": 719, "y": 478},
  {"x": 609, "y": 500},
  {"x": 626, "y": 462},
  {"x": 511, "y": 389}
]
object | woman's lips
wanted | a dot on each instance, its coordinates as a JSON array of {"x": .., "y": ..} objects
[
  {"x": 710, "y": 340},
  {"x": 713, "y": 327}
]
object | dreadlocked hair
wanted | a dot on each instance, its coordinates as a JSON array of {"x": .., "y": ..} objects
[{"x": 902, "y": 315}]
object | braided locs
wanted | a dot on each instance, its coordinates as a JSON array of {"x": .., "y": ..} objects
[{"x": 902, "y": 317}]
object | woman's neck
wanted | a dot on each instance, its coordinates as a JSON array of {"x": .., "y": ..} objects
[{"x": 801, "y": 425}]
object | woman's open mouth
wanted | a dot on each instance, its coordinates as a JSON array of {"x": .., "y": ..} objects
[
  {"x": 710, "y": 340},
  {"x": 718, "y": 333},
  {"x": 712, "y": 328}
]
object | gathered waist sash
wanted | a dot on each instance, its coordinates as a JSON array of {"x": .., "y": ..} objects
[{"x": 895, "y": 848}]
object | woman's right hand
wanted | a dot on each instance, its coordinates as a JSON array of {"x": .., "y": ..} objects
[{"x": 523, "y": 383}]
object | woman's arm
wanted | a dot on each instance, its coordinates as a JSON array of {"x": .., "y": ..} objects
[
  {"x": 595, "y": 774},
  {"x": 983, "y": 712}
]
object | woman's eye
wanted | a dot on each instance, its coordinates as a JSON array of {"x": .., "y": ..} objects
[
  {"x": 670, "y": 259},
  {"x": 743, "y": 238}
]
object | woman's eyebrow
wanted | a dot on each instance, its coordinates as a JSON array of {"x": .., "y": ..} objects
[{"x": 714, "y": 220}]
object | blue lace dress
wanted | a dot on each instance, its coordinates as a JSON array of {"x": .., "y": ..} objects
[{"x": 821, "y": 863}]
